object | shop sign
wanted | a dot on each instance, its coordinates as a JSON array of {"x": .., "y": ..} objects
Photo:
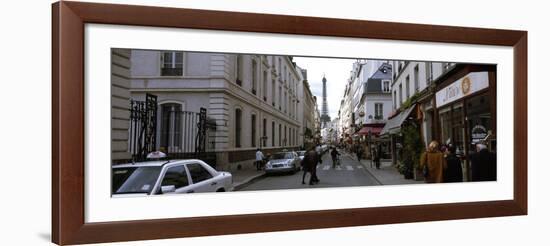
[
  {"x": 468, "y": 84},
  {"x": 479, "y": 133}
]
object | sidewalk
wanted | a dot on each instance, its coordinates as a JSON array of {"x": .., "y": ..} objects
[
  {"x": 387, "y": 174},
  {"x": 245, "y": 175}
]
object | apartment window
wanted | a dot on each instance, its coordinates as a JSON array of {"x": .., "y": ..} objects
[
  {"x": 264, "y": 88},
  {"x": 378, "y": 111},
  {"x": 429, "y": 73},
  {"x": 171, "y": 63},
  {"x": 239, "y": 70},
  {"x": 416, "y": 79},
  {"x": 287, "y": 98},
  {"x": 254, "y": 77},
  {"x": 407, "y": 87},
  {"x": 279, "y": 68},
  {"x": 394, "y": 99},
  {"x": 400, "y": 94},
  {"x": 264, "y": 134},
  {"x": 280, "y": 135},
  {"x": 291, "y": 136},
  {"x": 170, "y": 127},
  {"x": 273, "y": 90},
  {"x": 280, "y": 97},
  {"x": 288, "y": 80},
  {"x": 253, "y": 131},
  {"x": 386, "y": 86},
  {"x": 295, "y": 136},
  {"x": 238, "y": 123},
  {"x": 285, "y": 139},
  {"x": 273, "y": 134}
]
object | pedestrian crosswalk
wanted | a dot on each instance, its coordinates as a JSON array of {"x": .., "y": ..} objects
[{"x": 339, "y": 168}]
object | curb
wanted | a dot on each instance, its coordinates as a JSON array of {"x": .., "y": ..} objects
[
  {"x": 247, "y": 181},
  {"x": 366, "y": 168}
]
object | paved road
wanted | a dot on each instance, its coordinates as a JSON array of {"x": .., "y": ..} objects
[{"x": 350, "y": 173}]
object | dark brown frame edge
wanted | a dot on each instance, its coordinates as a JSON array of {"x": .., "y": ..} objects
[{"x": 68, "y": 19}]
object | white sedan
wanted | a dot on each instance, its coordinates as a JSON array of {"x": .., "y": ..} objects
[
  {"x": 283, "y": 162},
  {"x": 168, "y": 177}
]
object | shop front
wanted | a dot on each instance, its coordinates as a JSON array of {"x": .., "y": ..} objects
[
  {"x": 466, "y": 112},
  {"x": 392, "y": 134}
]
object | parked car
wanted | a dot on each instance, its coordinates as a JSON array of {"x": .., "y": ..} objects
[
  {"x": 168, "y": 177},
  {"x": 283, "y": 162},
  {"x": 301, "y": 154}
]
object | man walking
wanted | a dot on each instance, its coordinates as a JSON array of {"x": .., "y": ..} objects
[
  {"x": 259, "y": 159},
  {"x": 309, "y": 164},
  {"x": 334, "y": 154},
  {"x": 376, "y": 156},
  {"x": 358, "y": 152}
]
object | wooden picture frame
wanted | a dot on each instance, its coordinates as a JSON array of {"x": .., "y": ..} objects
[{"x": 68, "y": 223}]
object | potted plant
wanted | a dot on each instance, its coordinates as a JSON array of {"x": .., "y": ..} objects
[{"x": 412, "y": 149}]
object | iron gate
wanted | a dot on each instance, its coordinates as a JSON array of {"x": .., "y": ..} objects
[
  {"x": 183, "y": 134},
  {"x": 143, "y": 127}
]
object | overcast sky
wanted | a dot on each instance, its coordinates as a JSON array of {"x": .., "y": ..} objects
[{"x": 336, "y": 71}]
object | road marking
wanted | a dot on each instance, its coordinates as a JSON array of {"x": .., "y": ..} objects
[
  {"x": 350, "y": 168},
  {"x": 338, "y": 168},
  {"x": 327, "y": 167},
  {"x": 359, "y": 167}
]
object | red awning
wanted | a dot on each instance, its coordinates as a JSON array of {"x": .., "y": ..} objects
[{"x": 373, "y": 129}]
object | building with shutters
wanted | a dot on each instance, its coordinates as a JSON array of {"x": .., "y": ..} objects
[{"x": 251, "y": 101}]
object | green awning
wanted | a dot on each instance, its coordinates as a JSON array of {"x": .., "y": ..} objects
[{"x": 393, "y": 125}]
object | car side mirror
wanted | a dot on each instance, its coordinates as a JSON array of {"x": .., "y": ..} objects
[{"x": 168, "y": 189}]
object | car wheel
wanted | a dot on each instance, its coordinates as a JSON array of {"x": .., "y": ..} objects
[{"x": 221, "y": 190}]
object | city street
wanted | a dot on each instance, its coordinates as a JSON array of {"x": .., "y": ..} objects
[{"x": 350, "y": 173}]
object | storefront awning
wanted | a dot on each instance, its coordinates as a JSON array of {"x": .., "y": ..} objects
[
  {"x": 393, "y": 125},
  {"x": 372, "y": 129}
]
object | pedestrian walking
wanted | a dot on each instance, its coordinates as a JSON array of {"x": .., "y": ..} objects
[
  {"x": 484, "y": 165},
  {"x": 433, "y": 163},
  {"x": 334, "y": 154},
  {"x": 259, "y": 159},
  {"x": 358, "y": 152},
  {"x": 309, "y": 165},
  {"x": 453, "y": 173},
  {"x": 376, "y": 156}
]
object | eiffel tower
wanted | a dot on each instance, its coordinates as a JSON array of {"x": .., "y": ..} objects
[{"x": 325, "y": 118}]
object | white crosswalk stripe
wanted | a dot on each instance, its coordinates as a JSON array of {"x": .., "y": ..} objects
[
  {"x": 338, "y": 168},
  {"x": 326, "y": 167},
  {"x": 350, "y": 168},
  {"x": 359, "y": 167}
]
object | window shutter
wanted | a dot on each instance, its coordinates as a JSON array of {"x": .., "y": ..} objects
[{"x": 162, "y": 60}]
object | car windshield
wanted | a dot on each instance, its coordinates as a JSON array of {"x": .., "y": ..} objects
[
  {"x": 283, "y": 155},
  {"x": 134, "y": 179}
]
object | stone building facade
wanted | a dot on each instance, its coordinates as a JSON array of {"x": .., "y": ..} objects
[{"x": 253, "y": 100}]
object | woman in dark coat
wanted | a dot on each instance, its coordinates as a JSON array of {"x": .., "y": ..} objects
[{"x": 453, "y": 173}]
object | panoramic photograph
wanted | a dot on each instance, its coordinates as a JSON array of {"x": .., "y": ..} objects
[{"x": 192, "y": 122}]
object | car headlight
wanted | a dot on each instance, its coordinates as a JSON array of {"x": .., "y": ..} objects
[
  {"x": 268, "y": 165},
  {"x": 288, "y": 162}
]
